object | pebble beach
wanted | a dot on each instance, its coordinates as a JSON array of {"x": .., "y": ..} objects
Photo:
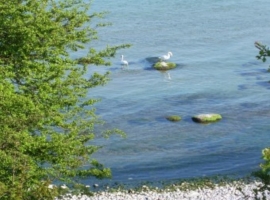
[{"x": 230, "y": 191}]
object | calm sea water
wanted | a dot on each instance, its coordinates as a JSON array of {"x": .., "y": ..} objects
[{"x": 213, "y": 44}]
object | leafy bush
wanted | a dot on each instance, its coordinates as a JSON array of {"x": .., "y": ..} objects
[
  {"x": 264, "y": 173},
  {"x": 46, "y": 118}
]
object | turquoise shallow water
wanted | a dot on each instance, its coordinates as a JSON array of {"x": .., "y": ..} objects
[{"x": 213, "y": 45}]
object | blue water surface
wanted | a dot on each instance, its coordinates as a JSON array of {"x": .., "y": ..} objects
[{"x": 213, "y": 44}]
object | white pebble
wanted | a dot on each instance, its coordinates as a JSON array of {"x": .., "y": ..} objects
[{"x": 227, "y": 192}]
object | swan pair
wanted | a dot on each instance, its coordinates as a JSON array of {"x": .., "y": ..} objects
[{"x": 163, "y": 58}]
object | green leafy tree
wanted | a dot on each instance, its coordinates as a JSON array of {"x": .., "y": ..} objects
[
  {"x": 264, "y": 172},
  {"x": 46, "y": 118}
]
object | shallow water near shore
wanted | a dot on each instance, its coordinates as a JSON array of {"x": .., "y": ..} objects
[{"x": 217, "y": 72}]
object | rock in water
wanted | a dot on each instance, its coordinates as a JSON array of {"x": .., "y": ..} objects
[
  {"x": 164, "y": 66},
  {"x": 173, "y": 118},
  {"x": 206, "y": 118}
]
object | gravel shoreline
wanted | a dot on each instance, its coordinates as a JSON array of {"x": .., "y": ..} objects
[{"x": 229, "y": 191}]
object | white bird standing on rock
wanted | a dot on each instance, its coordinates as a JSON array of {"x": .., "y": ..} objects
[
  {"x": 124, "y": 62},
  {"x": 166, "y": 57}
]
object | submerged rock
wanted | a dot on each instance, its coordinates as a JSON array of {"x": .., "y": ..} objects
[
  {"x": 173, "y": 118},
  {"x": 207, "y": 118}
]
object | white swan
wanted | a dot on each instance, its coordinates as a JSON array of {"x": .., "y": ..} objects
[
  {"x": 166, "y": 57},
  {"x": 123, "y": 62}
]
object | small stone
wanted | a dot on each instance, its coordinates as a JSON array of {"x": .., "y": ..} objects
[
  {"x": 51, "y": 186},
  {"x": 64, "y": 186},
  {"x": 173, "y": 118}
]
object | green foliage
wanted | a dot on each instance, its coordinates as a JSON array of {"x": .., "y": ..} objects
[
  {"x": 264, "y": 52},
  {"x": 264, "y": 173},
  {"x": 266, "y": 157},
  {"x": 46, "y": 118}
]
